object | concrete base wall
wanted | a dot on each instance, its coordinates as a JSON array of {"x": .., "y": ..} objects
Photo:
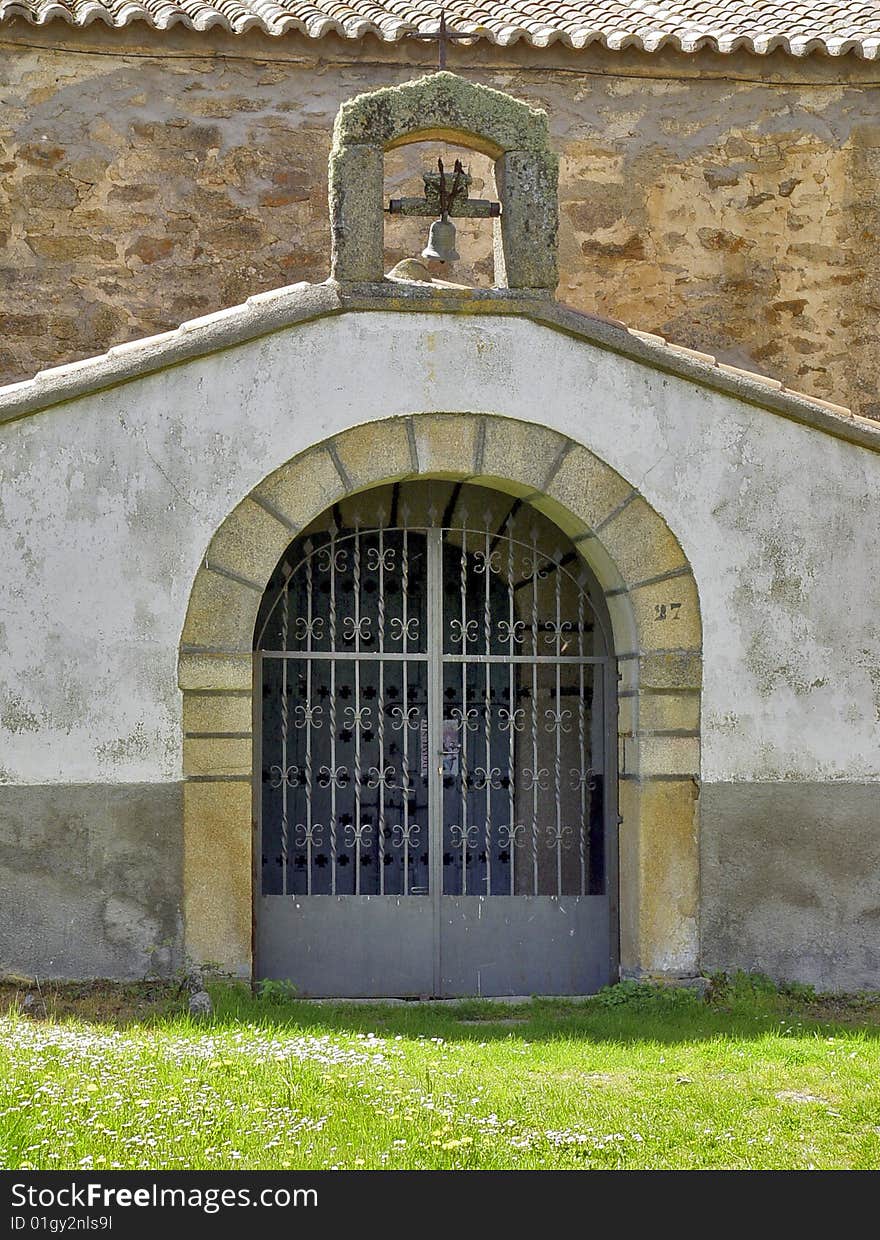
[
  {"x": 791, "y": 881},
  {"x": 90, "y": 879}
]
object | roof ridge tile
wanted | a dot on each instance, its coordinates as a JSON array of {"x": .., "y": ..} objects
[{"x": 797, "y": 27}]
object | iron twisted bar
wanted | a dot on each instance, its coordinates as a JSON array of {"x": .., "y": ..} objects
[
  {"x": 487, "y": 731},
  {"x": 308, "y": 721},
  {"x": 381, "y": 609},
  {"x": 464, "y": 795},
  {"x": 535, "y": 717},
  {"x": 333, "y": 822},
  {"x": 582, "y": 748},
  {"x": 404, "y": 738},
  {"x": 511, "y": 789},
  {"x": 557, "y": 758},
  {"x": 358, "y": 730},
  {"x": 285, "y": 707}
]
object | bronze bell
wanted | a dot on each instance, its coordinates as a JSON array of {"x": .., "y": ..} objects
[{"x": 441, "y": 242}]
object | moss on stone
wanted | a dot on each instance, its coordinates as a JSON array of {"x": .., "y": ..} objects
[
  {"x": 446, "y": 107},
  {"x": 447, "y": 102}
]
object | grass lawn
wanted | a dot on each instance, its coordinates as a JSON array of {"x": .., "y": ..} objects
[{"x": 634, "y": 1078}]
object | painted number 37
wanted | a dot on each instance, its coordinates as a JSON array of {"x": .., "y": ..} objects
[{"x": 666, "y": 611}]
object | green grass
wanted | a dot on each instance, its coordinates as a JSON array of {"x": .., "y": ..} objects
[{"x": 636, "y": 1077}]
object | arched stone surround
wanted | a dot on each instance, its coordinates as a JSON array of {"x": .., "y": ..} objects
[{"x": 655, "y": 614}]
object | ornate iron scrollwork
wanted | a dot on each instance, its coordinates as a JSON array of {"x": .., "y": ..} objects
[{"x": 365, "y": 766}]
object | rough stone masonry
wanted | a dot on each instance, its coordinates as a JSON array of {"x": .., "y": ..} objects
[{"x": 729, "y": 203}]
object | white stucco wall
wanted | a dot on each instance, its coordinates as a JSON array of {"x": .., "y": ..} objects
[{"x": 108, "y": 503}]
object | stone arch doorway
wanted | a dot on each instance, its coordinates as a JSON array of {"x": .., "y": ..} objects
[
  {"x": 437, "y": 806},
  {"x": 652, "y": 603}
]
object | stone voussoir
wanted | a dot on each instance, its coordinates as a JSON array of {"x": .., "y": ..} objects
[
  {"x": 667, "y": 613},
  {"x": 641, "y": 543},
  {"x": 221, "y": 613},
  {"x": 303, "y": 488},
  {"x": 521, "y": 451},
  {"x": 249, "y": 543},
  {"x": 446, "y": 443},
  {"x": 375, "y": 452},
  {"x": 588, "y": 488}
]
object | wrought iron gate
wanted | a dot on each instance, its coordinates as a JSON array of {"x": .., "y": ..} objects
[{"x": 436, "y": 692}]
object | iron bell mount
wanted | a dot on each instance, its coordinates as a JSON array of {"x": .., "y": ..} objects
[{"x": 441, "y": 237}]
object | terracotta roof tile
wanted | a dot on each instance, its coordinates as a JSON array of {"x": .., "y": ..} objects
[{"x": 799, "y": 27}]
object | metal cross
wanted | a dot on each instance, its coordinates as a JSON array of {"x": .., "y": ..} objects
[{"x": 443, "y": 35}]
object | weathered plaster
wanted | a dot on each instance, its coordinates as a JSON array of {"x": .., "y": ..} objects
[
  {"x": 111, "y": 494},
  {"x": 91, "y": 876},
  {"x": 791, "y": 881}
]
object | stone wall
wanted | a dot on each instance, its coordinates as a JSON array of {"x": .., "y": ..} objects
[{"x": 728, "y": 202}]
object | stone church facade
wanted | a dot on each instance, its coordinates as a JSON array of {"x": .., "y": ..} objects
[{"x": 404, "y": 637}]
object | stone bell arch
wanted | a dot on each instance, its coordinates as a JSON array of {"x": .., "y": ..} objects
[{"x": 445, "y": 107}]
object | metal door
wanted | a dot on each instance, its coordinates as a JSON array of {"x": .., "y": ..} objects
[{"x": 434, "y": 802}]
